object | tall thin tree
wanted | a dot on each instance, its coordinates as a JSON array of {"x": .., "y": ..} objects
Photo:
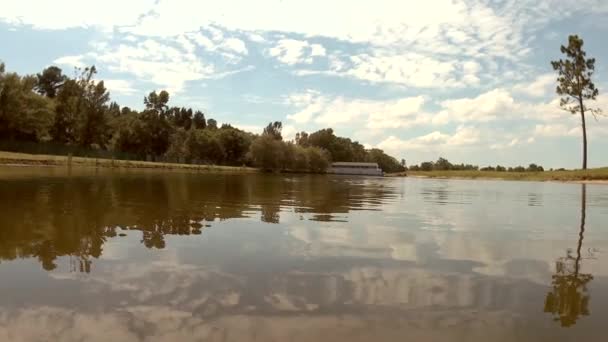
[{"x": 574, "y": 83}]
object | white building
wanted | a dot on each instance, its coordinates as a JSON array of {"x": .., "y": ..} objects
[{"x": 347, "y": 168}]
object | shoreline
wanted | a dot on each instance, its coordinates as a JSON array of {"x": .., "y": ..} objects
[
  {"x": 13, "y": 159},
  {"x": 590, "y": 176}
]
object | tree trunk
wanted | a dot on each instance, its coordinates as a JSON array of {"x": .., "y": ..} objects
[
  {"x": 584, "y": 134},
  {"x": 582, "y": 228}
]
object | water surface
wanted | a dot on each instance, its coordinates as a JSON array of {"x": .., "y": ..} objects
[{"x": 94, "y": 255}]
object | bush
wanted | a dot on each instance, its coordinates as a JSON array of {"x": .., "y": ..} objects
[{"x": 318, "y": 159}]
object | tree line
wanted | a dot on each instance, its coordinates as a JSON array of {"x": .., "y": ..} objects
[
  {"x": 443, "y": 164},
  {"x": 53, "y": 108}
]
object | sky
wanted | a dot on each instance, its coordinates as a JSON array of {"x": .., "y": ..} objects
[{"x": 467, "y": 80}]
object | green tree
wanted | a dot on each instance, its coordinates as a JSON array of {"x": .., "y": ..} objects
[
  {"x": 300, "y": 158},
  {"x": 205, "y": 146},
  {"x": 274, "y": 130},
  {"x": 157, "y": 102},
  {"x": 49, "y": 81},
  {"x": 385, "y": 162},
  {"x": 24, "y": 115},
  {"x": 82, "y": 111},
  {"x": 67, "y": 112},
  {"x": 198, "y": 121},
  {"x": 442, "y": 164},
  {"x": 93, "y": 125},
  {"x": 318, "y": 159},
  {"x": 212, "y": 124},
  {"x": 574, "y": 83},
  {"x": 178, "y": 146},
  {"x": 302, "y": 139},
  {"x": 235, "y": 144},
  {"x": 266, "y": 152}
]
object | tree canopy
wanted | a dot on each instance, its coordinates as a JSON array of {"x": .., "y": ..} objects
[{"x": 52, "y": 108}]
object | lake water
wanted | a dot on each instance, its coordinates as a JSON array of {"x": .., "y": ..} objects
[{"x": 149, "y": 256}]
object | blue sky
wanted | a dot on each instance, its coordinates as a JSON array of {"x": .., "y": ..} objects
[{"x": 468, "y": 80}]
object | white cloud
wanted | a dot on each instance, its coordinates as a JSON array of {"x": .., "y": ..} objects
[
  {"x": 325, "y": 110},
  {"x": 257, "y": 38},
  {"x": 156, "y": 62},
  {"x": 235, "y": 45},
  {"x": 232, "y": 49},
  {"x": 556, "y": 130},
  {"x": 291, "y": 51},
  {"x": 410, "y": 69},
  {"x": 74, "y": 61},
  {"x": 119, "y": 86},
  {"x": 380, "y": 22},
  {"x": 488, "y": 106},
  {"x": 317, "y": 50},
  {"x": 394, "y": 114},
  {"x": 442, "y": 44},
  {"x": 512, "y": 143},
  {"x": 202, "y": 40},
  {"x": 464, "y": 138},
  {"x": 289, "y": 132},
  {"x": 256, "y": 129},
  {"x": 541, "y": 86},
  {"x": 186, "y": 43},
  {"x": 61, "y": 14}
]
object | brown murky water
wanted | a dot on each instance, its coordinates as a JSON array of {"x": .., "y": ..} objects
[{"x": 149, "y": 256}]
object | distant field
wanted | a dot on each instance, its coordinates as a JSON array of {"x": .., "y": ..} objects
[
  {"x": 599, "y": 174},
  {"x": 10, "y": 158}
]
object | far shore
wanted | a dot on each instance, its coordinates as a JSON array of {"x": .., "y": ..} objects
[
  {"x": 24, "y": 159},
  {"x": 593, "y": 176}
]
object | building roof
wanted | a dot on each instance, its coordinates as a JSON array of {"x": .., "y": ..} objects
[{"x": 347, "y": 164}]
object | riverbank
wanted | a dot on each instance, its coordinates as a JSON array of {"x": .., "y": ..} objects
[
  {"x": 24, "y": 159},
  {"x": 599, "y": 175}
]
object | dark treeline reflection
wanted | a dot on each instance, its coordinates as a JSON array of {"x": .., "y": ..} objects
[
  {"x": 48, "y": 217},
  {"x": 569, "y": 299}
]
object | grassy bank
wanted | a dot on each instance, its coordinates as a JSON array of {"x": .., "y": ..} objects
[
  {"x": 10, "y": 158},
  {"x": 599, "y": 174}
]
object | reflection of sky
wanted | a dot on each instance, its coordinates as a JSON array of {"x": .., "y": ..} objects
[{"x": 440, "y": 258}]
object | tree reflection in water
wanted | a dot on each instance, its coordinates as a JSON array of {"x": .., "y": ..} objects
[
  {"x": 569, "y": 299},
  {"x": 51, "y": 217}
]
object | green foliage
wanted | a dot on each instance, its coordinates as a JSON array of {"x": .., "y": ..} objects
[
  {"x": 341, "y": 149},
  {"x": 318, "y": 159},
  {"x": 205, "y": 146},
  {"x": 82, "y": 111},
  {"x": 271, "y": 154},
  {"x": 76, "y": 115},
  {"x": 212, "y": 124},
  {"x": 235, "y": 144},
  {"x": 24, "y": 115},
  {"x": 443, "y": 164},
  {"x": 574, "y": 76},
  {"x": 49, "y": 81},
  {"x": 266, "y": 152},
  {"x": 426, "y": 166},
  {"x": 198, "y": 121},
  {"x": 157, "y": 102},
  {"x": 178, "y": 150},
  {"x": 535, "y": 168},
  {"x": 387, "y": 163},
  {"x": 274, "y": 130}
]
